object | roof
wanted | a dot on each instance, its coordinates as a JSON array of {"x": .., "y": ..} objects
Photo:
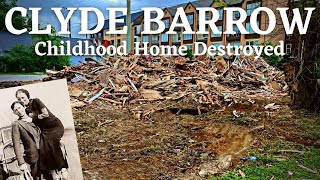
[
  {"x": 202, "y": 3},
  {"x": 173, "y": 9},
  {"x": 139, "y": 19},
  {"x": 134, "y": 16},
  {"x": 26, "y": 39},
  {"x": 232, "y": 2}
]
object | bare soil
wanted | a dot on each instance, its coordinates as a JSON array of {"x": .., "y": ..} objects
[{"x": 177, "y": 142}]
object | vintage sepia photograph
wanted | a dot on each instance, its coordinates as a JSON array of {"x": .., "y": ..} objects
[{"x": 38, "y": 139}]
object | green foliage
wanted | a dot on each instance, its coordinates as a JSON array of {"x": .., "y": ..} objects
[
  {"x": 273, "y": 60},
  {"x": 18, "y": 21},
  {"x": 50, "y": 62},
  {"x": 189, "y": 54},
  {"x": 5, "y": 63},
  {"x": 311, "y": 127},
  {"x": 268, "y": 167},
  {"x": 220, "y": 3},
  {"x": 24, "y": 59}
]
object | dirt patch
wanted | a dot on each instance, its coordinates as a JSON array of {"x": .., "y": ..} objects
[
  {"x": 9, "y": 84},
  {"x": 164, "y": 146}
]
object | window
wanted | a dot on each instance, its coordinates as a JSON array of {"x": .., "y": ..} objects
[
  {"x": 252, "y": 43},
  {"x": 137, "y": 39},
  {"x": 166, "y": 23},
  {"x": 154, "y": 26},
  {"x": 236, "y": 29},
  {"x": 164, "y": 37},
  {"x": 112, "y": 35},
  {"x": 112, "y": 42},
  {"x": 220, "y": 14},
  {"x": 235, "y": 44},
  {"x": 236, "y": 15},
  {"x": 203, "y": 36},
  {"x": 176, "y": 37},
  {"x": 217, "y": 35},
  {"x": 155, "y": 39},
  {"x": 289, "y": 48},
  {"x": 187, "y": 37},
  {"x": 146, "y": 38},
  {"x": 249, "y": 28},
  {"x": 118, "y": 42},
  {"x": 251, "y": 7},
  {"x": 190, "y": 18},
  {"x": 138, "y": 29},
  {"x": 207, "y": 15},
  {"x": 217, "y": 45},
  {"x": 189, "y": 46},
  {"x": 200, "y": 49}
]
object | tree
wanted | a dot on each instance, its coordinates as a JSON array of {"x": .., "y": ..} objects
[
  {"x": 50, "y": 62},
  {"x": 18, "y": 21},
  {"x": 24, "y": 59},
  {"x": 302, "y": 70}
]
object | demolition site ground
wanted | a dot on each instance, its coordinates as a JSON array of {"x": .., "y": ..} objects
[{"x": 178, "y": 143}]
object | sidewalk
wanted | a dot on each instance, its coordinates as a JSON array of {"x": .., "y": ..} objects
[{"x": 10, "y": 77}]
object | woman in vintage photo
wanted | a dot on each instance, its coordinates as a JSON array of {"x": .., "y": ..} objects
[
  {"x": 50, "y": 154},
  {"x": 24, "y": 130}
]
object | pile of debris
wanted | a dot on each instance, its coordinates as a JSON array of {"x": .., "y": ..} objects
[{"x": 134, "y": 80}]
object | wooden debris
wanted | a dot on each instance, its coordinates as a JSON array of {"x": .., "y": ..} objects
[
  {"x": 151, "y": 95},
  {"x": 308, "y": 169},
  {"x": 131, "y": 81},
  {"x": 293, "y": 151},
  {"x": 242, "y": 174}
]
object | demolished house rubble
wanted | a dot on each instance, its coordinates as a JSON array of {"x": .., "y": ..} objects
[{"x": 130, "y": 81}]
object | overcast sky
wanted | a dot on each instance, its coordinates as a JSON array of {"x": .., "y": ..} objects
[{"x": 47, "y": 16}]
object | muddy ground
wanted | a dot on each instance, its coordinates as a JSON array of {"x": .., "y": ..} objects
[{"x": 182, "y": 140}]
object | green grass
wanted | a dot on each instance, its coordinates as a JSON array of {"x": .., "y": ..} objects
[
  {"x": 268, "y": 166},
  {"x": 312, "y": 127}
]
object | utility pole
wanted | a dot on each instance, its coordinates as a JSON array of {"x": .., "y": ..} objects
[
  {"x": 69, "y": 23},
  {"x": 128, "y": 39},
  {"x": 69, "y": 26}
]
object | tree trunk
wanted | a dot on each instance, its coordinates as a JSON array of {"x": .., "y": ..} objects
[{"x": 304, "y": 88}]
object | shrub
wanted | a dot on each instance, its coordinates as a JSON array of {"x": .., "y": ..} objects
[
  {"x": 189, "y": 54},
  {"x": 5, "y": 64},
  {"x": 273, "y": 60}
]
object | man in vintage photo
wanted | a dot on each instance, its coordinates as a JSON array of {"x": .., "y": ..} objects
[{"x": 36, "y": 140}]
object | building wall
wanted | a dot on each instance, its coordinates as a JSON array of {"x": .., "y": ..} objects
[
  {"x": 238, "y": 39},
  {"x": 115, "y": 39}
]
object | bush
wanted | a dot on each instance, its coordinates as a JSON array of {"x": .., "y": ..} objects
[
  {"x": 189, "y": 54},
  {"x": 5, "y": 64},
  {"x": 273, "y": 60},
  {"x": 24, "y": 59}
]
